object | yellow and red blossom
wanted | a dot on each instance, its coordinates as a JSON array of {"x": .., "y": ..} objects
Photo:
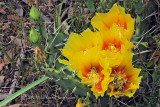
[
  {"x": 113, "y": 45},
  {"x": 103, "y": 59},
  {"x": 92, "y": 72},
  {"x": 116, "y": 17},
  {"x": 125, "y": 78},
  {"x": 114, "y": 41},
  {"x": 80, "y": 43},
  {"x": 82, "y": 52}
]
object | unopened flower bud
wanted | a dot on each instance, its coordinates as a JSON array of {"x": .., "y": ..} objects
[
  {"x": 34, "y": 13},
  {"x": 34, "y": 36}
]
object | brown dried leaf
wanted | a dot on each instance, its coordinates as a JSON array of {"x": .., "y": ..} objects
[
  {"x": 157, "y": 53},
  {"x": 17, "y": 41},
  {"x": 5, "y": 60},
  {"x": 6, "y": 25},
  {"x": 2, "y": 11},
  {"x": 1, "y": 80},
  {"x": 49, "y": 4},
  {"x": 1, "y": 66},
  {"x": 31, "y": 2},
  {"x": 12, "y": 17},
  {"x": 156, "y": 59},
  {"x": 10, "y": 55},
  {"x": 19, "y": 11},
  {"x": 18, "y": 105},
  {"x": 154, "y": 54},
  {"x": 4, "y": 95}
]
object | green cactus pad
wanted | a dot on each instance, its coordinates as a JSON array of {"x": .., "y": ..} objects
[{"x": 68, "y": 82}]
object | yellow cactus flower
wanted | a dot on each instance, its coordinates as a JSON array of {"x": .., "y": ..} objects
[
  {"x": 79, "y": 104},
  {"x": 92, "y": 71},
  {"x": 113, "y": 46},
  {"x": 79, "y": 44},
  {"x": 103, "y": 59},
  {"x": 125, "y": 78},
  {"x": 115, "y": 17}
]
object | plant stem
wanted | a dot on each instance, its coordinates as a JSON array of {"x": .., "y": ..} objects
[{"x": 13, "y": 96}]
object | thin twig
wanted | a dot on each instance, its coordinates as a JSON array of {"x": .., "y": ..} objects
[
  {"x": 154, "y": 52},
  {"x": 143, "y": 36},
  {"x": 142, "y": 52},
  {"x": 121, "y": 102},
  {"x": 154, "y": 13}
]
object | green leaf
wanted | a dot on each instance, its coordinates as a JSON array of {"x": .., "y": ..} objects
[
  {"x": 134, "y": 38},
  {"x": 137, "y": 31},
  {"x": 145, "y": 75},
  {"x": 159, "y": 63},
  {"x": 103, "y": 101},
  {"x": 145, "y": 44},
  {"x": 56, "y": 39},
  {"x": 154, "y": 74},
  {"x": 139, "y": 7},
  {"x": 90, "y": 5},
  {"x": 145, "y": 99},
  {"x": 43, "y": 31},
  {"x": 111, "y": 3},
  {"x": 55, "y": 43},
  {"x": 38, "y": 44},
  {"x": 155, "y": 36},
  {"x": 60, "y": 38},
  {"x": 5, "y": 53},
  {"x": 149, "y": 64},
  {"x": 158, "y": 82},
  {"x": 104, "y": 4}
]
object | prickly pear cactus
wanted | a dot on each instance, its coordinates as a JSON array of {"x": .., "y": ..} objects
[
  {"x": 67, "y": 81},
  {"x": 49, "y": 47},
  {"x": 55, "y": 43}
]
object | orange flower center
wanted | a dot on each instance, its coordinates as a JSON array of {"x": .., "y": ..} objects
[
  {"x": 94, "y": 76},
  {"x": 119, "y": 81},
  {"x": 112, "y": 47},
  {"x": 121, "y": 24}
]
